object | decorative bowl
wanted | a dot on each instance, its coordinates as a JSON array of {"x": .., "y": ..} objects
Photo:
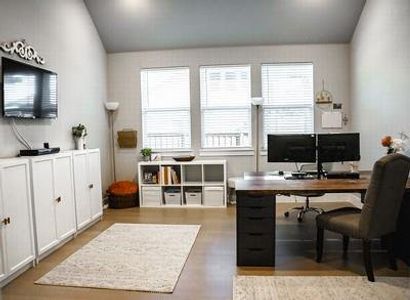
[{"x": 184, "y": 158}]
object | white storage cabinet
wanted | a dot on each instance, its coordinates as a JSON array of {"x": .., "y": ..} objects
[
  {"x": 53, "y": 198},
  {"x": 16, "y": 231},
  {"x": 87, "y": 186},
  {"x": 207, "y": 177}
]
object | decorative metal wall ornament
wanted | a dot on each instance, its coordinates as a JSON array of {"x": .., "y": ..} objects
[{"x": 22, "y": 49}]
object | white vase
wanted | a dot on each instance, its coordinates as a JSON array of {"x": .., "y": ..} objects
[{"x": 79, "y": 143}]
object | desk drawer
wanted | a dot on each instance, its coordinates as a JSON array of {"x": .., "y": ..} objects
[
  {"x": 255, "y": 225},
  {"x": 255, "y": 257},
  {"x": 256, "y": 240},
  {"x": 255, "y": 211},
  {"x": 254, "y": 200}
]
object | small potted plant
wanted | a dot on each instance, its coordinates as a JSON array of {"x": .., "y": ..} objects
[
  {"x": 79, "y": 133},
  {"x": 146, "y": 153}
]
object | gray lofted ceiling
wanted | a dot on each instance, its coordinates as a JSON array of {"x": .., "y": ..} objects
[{"x": 134, "y": 25}]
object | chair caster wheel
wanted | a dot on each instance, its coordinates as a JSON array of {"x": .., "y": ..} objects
[{"x": 286, "y": 214}]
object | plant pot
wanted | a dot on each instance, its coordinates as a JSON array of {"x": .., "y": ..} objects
[
  {"x": 79, "y": 143},
  {"x": 146, "y": 158}
]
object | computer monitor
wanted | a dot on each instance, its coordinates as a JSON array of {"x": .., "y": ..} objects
[
  {"x": 291, "y": 148},
  {"x": 338, "y": 147}
]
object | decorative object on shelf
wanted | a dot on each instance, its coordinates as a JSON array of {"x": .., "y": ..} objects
[
  {"x": 146, "y": 153},
  {"x": 395, "y": 145},
  {"x": 127, "y": 138},
  {"x": 22, "y": 49},
  {"x": 79, "y": 134},
  {"x": 123, "y": 194},
  {"x": 324, "y": 96},
  {"x": 112, "y": 107},
  {"x": 184, "y": 158},
  {"x": 257, "y": 102}
]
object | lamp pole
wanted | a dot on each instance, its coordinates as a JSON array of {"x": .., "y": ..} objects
[
  {"x": 257, "y": 101},
  {"x": 111, "y": 112},
  {"x": 111, "y": 107}
]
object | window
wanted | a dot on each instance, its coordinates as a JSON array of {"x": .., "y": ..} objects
[
  {"x": 288, "y": 93},
  {"x": 166, "y": 120},
  {"x": 225, "y": 106}
]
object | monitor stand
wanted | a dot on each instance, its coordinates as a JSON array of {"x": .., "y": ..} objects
[{"x": 320, "y": 171}]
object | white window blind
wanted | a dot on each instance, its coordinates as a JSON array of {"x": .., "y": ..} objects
[
  {"x": 225, "y": 106},
  {"x": 288, "y": 93},
  {"x": 166, "y": 119}
]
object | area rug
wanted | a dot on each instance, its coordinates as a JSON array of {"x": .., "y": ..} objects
[
  {"x": 138, "y": 257},
  {"x": 320, "y": 287}
]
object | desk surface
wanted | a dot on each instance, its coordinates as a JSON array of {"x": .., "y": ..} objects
[{"x": 283, "y": 186}]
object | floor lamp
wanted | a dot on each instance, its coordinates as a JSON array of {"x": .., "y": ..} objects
[
  {"x": 111, "y": 107},
  {"x": 257, "y": 102}
]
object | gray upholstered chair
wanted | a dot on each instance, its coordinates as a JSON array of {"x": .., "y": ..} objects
[{"x": 380, "y": 211}]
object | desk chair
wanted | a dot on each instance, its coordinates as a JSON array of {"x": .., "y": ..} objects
[
  {"x": 379, "y": 215},
  {"x": 307, "y": 208}
]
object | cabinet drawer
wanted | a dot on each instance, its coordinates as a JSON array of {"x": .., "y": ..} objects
[
  {"x": 255, "y": 257},
  {"x": 255, "y": 211},
  {"x": 255, "y": 200},
  {"x": 256, "y": 240},
  {"x": 255, "y": 225}
]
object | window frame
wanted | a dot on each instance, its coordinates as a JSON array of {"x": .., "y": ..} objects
[
  {"x": 168, "y": 151},
  {"x": 263, "y": 145},
  {"x": 218, "y": 151}
]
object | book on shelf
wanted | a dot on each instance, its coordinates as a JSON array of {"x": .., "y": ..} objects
[{"x": 169, "y": 176}]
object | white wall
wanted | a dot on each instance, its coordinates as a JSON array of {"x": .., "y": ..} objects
[
  {"x": 331, "y": 62},
  {"x": 380, "y": 75},
  {"x": 64, "y": 34}
]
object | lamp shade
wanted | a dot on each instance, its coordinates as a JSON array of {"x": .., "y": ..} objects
[
  {"x": 257, "y": 100},
  {"x": 111, "y": 106}
]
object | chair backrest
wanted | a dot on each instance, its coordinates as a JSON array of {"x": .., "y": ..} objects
[{"x": 384, "y": 196}]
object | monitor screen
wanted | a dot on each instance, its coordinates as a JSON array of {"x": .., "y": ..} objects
[
  {"x": 339, "y": 147},
  {"x": 291, "y": 148},
  {"x": 28, "y": 91}
]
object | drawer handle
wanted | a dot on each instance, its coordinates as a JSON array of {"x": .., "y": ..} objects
[
  {"x": 256, "y": 207},
  {"x": 6, "y": 221},
  {"x": 256, "y": 218},
  {"x": 255, "y": 249},
  {"x": 256, "y": 195},
  {"x": 58, "y": 199},
  {"x": 91, "y": 186},
  {"x": 256, "y": 234}
]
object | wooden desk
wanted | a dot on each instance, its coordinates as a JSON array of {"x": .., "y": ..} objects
[{"x": 256, "y": 214}]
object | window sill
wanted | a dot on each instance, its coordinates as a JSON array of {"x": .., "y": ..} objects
[
  {"x": 227, "y": 152},
  {"x": 172, "y": 152}
]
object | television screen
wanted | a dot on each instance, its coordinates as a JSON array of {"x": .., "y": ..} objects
[{"x": 28, "y": 91}]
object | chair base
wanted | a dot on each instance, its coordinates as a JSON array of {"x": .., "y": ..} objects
[{"x": 303, "y": 210}]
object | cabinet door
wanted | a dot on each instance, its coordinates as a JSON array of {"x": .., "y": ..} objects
[
  {"x": 44, "y": 204},
  {"x": 64, "y": 194},
  {"x": 94, "y": 174},
  {"x": 2, "y": 245},
  {"x": 18, "y": 239},
  {"x": 82, "y": 193}
]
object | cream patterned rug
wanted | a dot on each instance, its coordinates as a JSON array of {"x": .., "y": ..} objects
[
  {"x": 320, "y": 288},
  {"x": 138, "y": 257}
]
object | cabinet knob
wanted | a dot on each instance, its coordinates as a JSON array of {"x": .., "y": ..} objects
[
  {"x": 4, "y": 221},
  {"x": 8, "y": 220},
  {"x": 91, "y": 186},
  {"x": 58, "y": 199}
]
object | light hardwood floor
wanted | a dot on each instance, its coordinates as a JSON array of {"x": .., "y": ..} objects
[{"x": 211, "y": 265}]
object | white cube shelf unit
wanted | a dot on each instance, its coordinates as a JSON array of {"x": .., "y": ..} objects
[{"x": 169, "y": 183}]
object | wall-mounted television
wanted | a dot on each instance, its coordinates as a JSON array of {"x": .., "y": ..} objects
[{"x": 28, "y": 92}]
